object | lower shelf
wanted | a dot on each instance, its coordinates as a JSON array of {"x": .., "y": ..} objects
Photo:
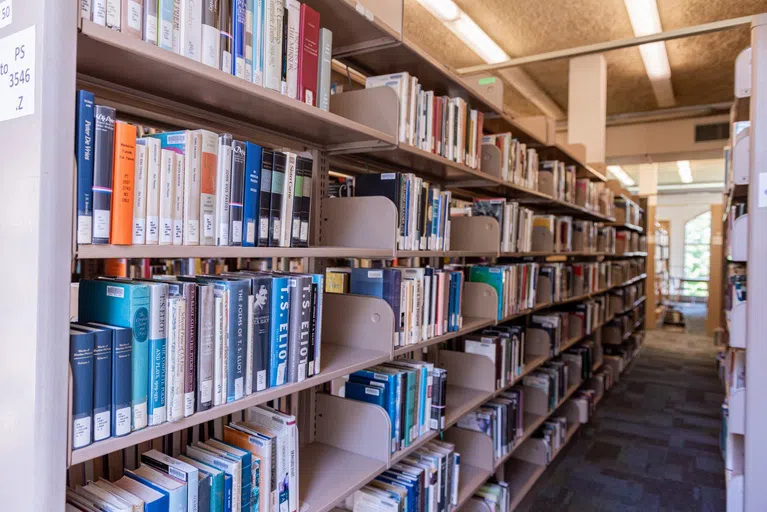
[
  {"x": 470, "y": 479},
  {"x": 525, "y": 474}
]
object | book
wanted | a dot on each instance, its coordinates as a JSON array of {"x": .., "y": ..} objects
[
  {"x": 167, "y": 194},
  {"x": 231, "y": 466},
  {"x": 225, "y": 49},
  {"x": 177, "y": 469},
  {"x": 205, "y": 348},
  {"x": 103, "y": 160},
  {"x": 124, "y": 168},
  {"x": 287, "y": 205},
  {"x": 210, "y": 36},
  {"x": 102, "y": 381},
  {"x": 176, "y": 489},
  {"x": 293, "y": 8},
  {"x": 165, "y": 30},
  {"x": 324, "y": 68},
  {"x": 248, "y": 464},
  {"x": 294, "y": 234},
  {"x": 175, "y": 320},
  {"x": 276, "y": 200},
  {"x": 258, "y": 41},
  {"x": 280, "y": 326},
  {"x": 192, "y": 185},
  {"x": 122, "y": 356},
  {"x": 261, "y": 289},
  {"x": 284, "y": 425},
  {"x": 216, "y": 482},
  {"x": 237, "y": 193},
  {"x": 248, "y": 43},
  {"x": 84, "y": 147},
  {"x": 153, "y": 190},
  {"x": 157, "y": 334},
  {"x": 251, "y": 211},
  {"x": 190, "y": 28},
  {"x": 113, "y": 15},
  {"x": 223, "y": 185},
  {"x": 139, "y": 193},
  {"x": 149, "y": 24},
  {"x": 208, "y": 190},
  {"x": 264, "y": 201},
  {"x": 239, "y": 15},
  {"x": 136, "y": 503},
  {"x": 284, "y": 54},
  {"x": 299, "y": 328},
  {"x": 154, "y": 500},
  {"x": 81, "y": 345},
  {"x": 273, "y": 21},
  {"x": 308, "y": 55}
]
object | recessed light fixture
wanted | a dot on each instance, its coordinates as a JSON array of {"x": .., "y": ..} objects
[
  {"x": 685, "y": 172},
  {"x": 621, "y": 175},
  {"x": 645, "y": 20},
  {"x": 466, "y": 30}
]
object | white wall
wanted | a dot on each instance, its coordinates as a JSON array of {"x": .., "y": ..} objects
[{"x": 680, "y": 208}]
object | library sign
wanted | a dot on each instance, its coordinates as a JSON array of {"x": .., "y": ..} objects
[{"x": 17, "y": 74}]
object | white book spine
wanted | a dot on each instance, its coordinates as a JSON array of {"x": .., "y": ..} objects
[
  {"x": 174, "y": 359},
  {"x": 114, "y": 13},
  {"x": 273, "y": 44},
  {"x": 167, "y": 185},
  {"x": 288, "y": 190},
  {"x": 223, "y": 177},
  {"x": 249, "y": 349},
  {"x": 192, "y": 156},
  {"x": 426, "y": 307},
  {"x": 178, "y": 200},
  {"x": 209, "y": 37},
  {"x": 158, "y": 329},
  {"x": 208, "y": 185},
  {"x": 294, "y": 23},
  {"x": 150, "y": 21},
  {"x": 411, "y": 111},
  {"x": 258, "y": 42},
  {"x": 139, "y": 193},
  {"x": 218, "y": 344},
  {"x": 153, "y": 188},
  {"x": 225, "y": 348},
  {"x": 191, "y": 29},
  {"x": 85, "y": 9},
  {"x": 99, "y": 12},
  {"x": 249, "y": 25},
  {"x": 177, "y": 23}
]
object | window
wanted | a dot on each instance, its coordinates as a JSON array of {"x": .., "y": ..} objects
[{"x": 697, "y": 255}]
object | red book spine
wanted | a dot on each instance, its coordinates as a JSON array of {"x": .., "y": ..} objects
[{"x": 308, "y": 44}]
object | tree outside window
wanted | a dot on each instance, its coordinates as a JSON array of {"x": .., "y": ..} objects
[{"x": 697, "y": 254}]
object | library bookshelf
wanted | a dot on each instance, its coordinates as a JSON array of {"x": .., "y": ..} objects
[{"x": 343, "y": 443}]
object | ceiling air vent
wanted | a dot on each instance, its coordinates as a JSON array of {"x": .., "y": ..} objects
[{"x": 709, "y": 132}]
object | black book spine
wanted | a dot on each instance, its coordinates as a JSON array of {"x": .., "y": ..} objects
[
  {"x": 298, "y": 192},
  {"x": 236, "y": 192},
  {"x": 298, "y": 332},
  {"x": 275, "y": 209},
  {"x": 103, "y": 156},
  {"x": 264, "y": 201},
  {"x": 423, "y": 214},
  {"x": 262, "y": 287},
  {"x": 284, "y": 74},
  {"x": 306, "y": 202}
]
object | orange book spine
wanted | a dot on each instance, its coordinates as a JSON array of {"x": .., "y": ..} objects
[{"x": 123, "y": 170}]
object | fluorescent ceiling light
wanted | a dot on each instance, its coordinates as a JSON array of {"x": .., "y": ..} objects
[
  {"x": 685, "y": 172},
  {"x": 466, "y": 29},
  {"x": 645, "y": 20},
  {"x": 619, "y": 174}
]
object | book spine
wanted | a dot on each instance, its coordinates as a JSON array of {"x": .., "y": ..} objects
[
  {"x": 84, "y": 155},
  {"x": 153, "y": 190},
  {"x": 279, "y": 337},
  {"x": 237, "y": 192},
  {"x": 293, "y": 48},
  {"x": 209, "y": 53},
  {"x": 238, "y": 332},
  {"x": 225, "y": 37},
  {"x": 172, "y": 316},
  {"x": 178, "y": 197},
  {"x": 249, "y": 348},
  {"x": 223, "y": 182},
  {"x": 284, "y": 54},
  {"x": 191, "y": 28},
  {"x": 177, "y": 26},
  {"x": 205, "y": 349},
  {"x": 308, "y": 56},
  {"x": 312, "y": 326},
  {"x": 103, "y": 156},
  {"x": 319, "y": 279},
  {"x": 273, "y": 16},
  {"x": 252, "y": 194},
  {"x": 262, "y": 289},
  {"x": 139, "y": 193},
  {"x": 191, "y": 335},
  {"x": 156, "y": 406},
  {"x": 275, "y": 209},
  {"x": 121, "y": 382},
  {"x": 306, "y": 203},
  {"x": 249, "y": 17},
  {"x": 99, "y": 12},
  {"x": 85, "y": 9},
  {"x": 149, "y": 24},
  {"x": 191, "y": 189},
  {"x": 207, "y": 205},
  {"x": 264, "y": 200},
  {"x": 218, "y": 344},
  {"x": 124, "y": 169},
  {"x": 167, "y": 185},
  {"x": 294, "y": 236},
  {"x": 131, "y": 18},
  {"x": 286, "y": 208},
  {"x": 114, "y": 14},
  {"x": 238, "y": 37},
  {"x": 102, "y": 385},
  {"x": 81, "y": 360},
  {"x": 258, "y": 42},
  {"x": 324, "y": 65},
  {"x": 301, "y": 306},
  {"x": 165, "y": 24}
]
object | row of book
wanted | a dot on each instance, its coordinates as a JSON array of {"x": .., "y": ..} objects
[
  {"x": 515, "y": 222},
  {"x": 189, "y": 187},
  {"x": 413, "y": 393},
  {"x": 426, "y": 301},
  {"x": 253, "y": 467},
  {"x": 277, "y": 44},
  {"x": 427, "y": 480},
  {"x": 149, "y": 351},
  {"x": 505, "y": 346},
  {"x": 519, "y": 164},
  {"x": 501, "y": 419},
  {"x": 423, "y": 208},
  {"x": 515, "y": 285},
  {"x": 495, "y": 495},
  {"x": 437, "y": 124}
]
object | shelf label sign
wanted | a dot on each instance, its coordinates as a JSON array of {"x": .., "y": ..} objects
[
  {"x": 6, "y": 12},
  {"x": 17, "y": 74}
]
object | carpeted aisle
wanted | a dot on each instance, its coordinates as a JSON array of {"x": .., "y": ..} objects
[{"x": 653, "y": 443}]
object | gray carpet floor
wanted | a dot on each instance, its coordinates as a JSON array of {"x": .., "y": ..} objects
[{"x": 653, "y": 444}]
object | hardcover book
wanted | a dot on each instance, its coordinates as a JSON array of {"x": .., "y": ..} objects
[
  {"x": 253, "y": 157},
  {"x": 225, "y": 28},
  {"x": 293, "y": 9},
  {"x": 237, "y": 193},
  {"x": 122, "y": 356},
  {"x": 209, "y": 53},
  {"x": 223, "y": 185},
  {"x": 308, "y": 55},
  {"x": 265, "y": 195},
  {"x": 124, "y": 169},
  {"x": 208, "y": 169},
  {"x": 239, "y": 14},
  {"x": 273, "y": 21},
  {"x": 280, "y": 331},
  {"x": 324, "y": 68},
  {"x": 81, "y": 346},
  {"x": 299, "y": 329},
  {"x": 103, "y": 160},
  {"x": 275, "y": 210},
  {"x": 84, "y": 155}
]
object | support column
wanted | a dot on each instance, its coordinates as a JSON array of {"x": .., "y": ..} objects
[
  {"x": 587, "y": 105},
  {"x": 648, "y": 189}
]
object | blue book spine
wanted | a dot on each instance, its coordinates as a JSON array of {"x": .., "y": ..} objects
[
  {"x": 250, "y": 206},
  {"x": 238, "y": 334},
  {"x": 258, "y": 42},
  {"x": 81, "y": 346},
  {"x": 398, "y": 409},
  {"x": 238, "y": 38},
  {"x": 84, "y": 155},
  {"x": 121, "y": 380},
  {"x": 364, "y": 393},
  {"x": 227, "y": 493},
  {"x": 390, "y": 381},
  {"x": 367, "y": 281},
  {"x": 158, "y": 305},
  {"x": 102, "y": 385},
  {"x": 165, "y": 24},
  {"x": 392, "y": 285},
  {"x": 435, "y": 217},
  {"x": 279, "y": 337},
  {"x": 123, "y": 305},
  {"x": 162, "y": 504},
  {"x": 451, "y": 304}
]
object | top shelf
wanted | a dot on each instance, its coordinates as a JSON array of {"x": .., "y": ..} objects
[{"x": 158, "y": 77}]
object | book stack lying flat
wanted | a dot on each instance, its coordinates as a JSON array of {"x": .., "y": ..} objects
[
  {"x": 424, "y": 209},
  {"x": 233, "y": 473},
  {"x": 426, "y": 301},
  {"x": 504, "y": 345},
  {"x": 425, "y": 480},
  {"x": 189, "y": 187},
  {"x": 515, "y": 285},
  {"x": 150, "y": 351},
  {"x": 519, "y": 164},
  {"x": 500, "y": 418},
  {"x": 412, "y": 393},
  {"x": 515, "y": 222},
  {"x": 276, "y": 44},
  {"x": 438, "y": 124}
]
